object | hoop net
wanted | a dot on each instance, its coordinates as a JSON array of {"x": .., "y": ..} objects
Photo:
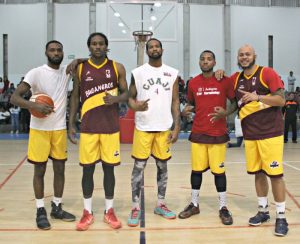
[{"x": 141, "y": 37}]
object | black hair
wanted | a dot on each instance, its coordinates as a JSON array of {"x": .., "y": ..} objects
[
  {"x": 153, "y": 39},
  {"x": 208, "y": 51},
  {"x": 53, "y": 41},
  {"x": 97, "y": 34}
]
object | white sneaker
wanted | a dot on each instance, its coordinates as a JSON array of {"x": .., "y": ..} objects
[
  {"x": 17, "y": 132},
  {"x": 11, "y": 132}
]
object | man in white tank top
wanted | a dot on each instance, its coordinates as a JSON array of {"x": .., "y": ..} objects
[{"x": 153, "y": 94}]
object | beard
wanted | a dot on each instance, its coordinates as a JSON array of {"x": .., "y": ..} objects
[
  {"x": 55, "y": 61},
  {"x": 246, "y": 67},
  {"x": 156, "y": 56},
  {"x": 207, "y": 70}
]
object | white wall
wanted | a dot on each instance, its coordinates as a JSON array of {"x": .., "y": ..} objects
[
  {"x": 27, "y": 36},
  {"x": 253, "y": 25},
  {"x": 206, "y": 33},
  {"x": 26, "y": 26}
]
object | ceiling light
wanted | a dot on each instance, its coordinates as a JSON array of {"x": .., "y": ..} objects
[
  {"x": 158, "y": 4},
  {"x": 153, "y": 18},
  {"x": 117, "y": 14},
  {"x": 120, "y": 24},
  {"x": 124, "y": 31}
]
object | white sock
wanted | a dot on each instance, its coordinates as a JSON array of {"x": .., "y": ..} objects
[
  {"x": 160, "y": 202},
  {"x": 109, "y": 203},
  {"x": 195, "y": 197},
  {"x": 40, "y": 203},
  {"x": 222, "y": 199},
  {"x": 263, "y": 204},
  {"x": 280, "y": 210},
  {"x": 57, "y": 200},
  {"x": 87, "y": 203},
  {"x": 136, "y": 205}
]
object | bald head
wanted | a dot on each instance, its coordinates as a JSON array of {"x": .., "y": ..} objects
[
  {"x": 246, "y": 48},
  {"x": 246, "y": 57}
]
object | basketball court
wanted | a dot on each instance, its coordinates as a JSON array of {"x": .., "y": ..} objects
[{"x": 17, "y": 208}]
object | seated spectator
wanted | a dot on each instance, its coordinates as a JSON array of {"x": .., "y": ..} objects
[{"x": 4, "y": 116}]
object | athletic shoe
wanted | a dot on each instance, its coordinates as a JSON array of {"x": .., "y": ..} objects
[
  {"x": 225, "y": 216},
  {"x": 134, "y": 217},
  {"x": 189, "y": 210},
  {"x": 281, "y": 227},
  {"x": 58, "y": 213},
  {"x": 86, "y": 220},
  {"x": 164, "y": 212},
  {"x": 111, "y": 219},
  {"x": 42, "y": 220},
  {"x": 259, "y": 218}
]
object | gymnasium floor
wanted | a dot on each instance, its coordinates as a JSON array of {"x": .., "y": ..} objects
[{"x": 17, "y": 206}]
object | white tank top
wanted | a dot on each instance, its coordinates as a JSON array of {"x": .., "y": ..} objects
[
  {"x": 55, "y": 84},
  {"x": 156, "y": 84}
]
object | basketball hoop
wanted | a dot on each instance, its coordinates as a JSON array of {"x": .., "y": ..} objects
[{"x": 140, "y": 38}]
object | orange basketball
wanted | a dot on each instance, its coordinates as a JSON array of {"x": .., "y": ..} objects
[{"x": 43, "y": 99}]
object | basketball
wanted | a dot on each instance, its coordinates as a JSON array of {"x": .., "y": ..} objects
[{"x": 43, "y": 99}]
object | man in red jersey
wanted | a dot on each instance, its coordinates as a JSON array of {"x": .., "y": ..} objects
[
  {"x": 208, "y": 137},
  {"x": 260, "y": 95},
  {"x": 100, "y": 85}
]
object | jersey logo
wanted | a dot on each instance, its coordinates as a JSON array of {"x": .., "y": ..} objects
[
  {"x": 116, "y": 154},
  {"x": 167, "y": 74},
  {"x": 253, "y": 81},
  {"x": 274, "y": 164},
  {"x": 107, "y": 73},
  {"x": 87, "y": 73},
  {"x": 168, "y": 150},
  {"x": 221, "y": 165}
]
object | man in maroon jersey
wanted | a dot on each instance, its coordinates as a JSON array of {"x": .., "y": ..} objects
[
  {"x": 100, "y": 85},
  {"x": 260, "y": 95},
  {"x": 209, "y": 138}
]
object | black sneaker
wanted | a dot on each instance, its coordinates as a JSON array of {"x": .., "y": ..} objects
[
  {"x": 259, "y": 218},
  {"x": 58, "y": 213},
  {"x": 225, "y": 216},
  {"x": 41, "y": 219},
  {"x": 188, "y": 211},
  {"x": 281, "y": 227}
]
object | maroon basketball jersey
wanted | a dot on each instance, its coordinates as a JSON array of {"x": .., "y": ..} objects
[
  {"x": 259, "y": 121},
  {"x": 96, "y": 117}
]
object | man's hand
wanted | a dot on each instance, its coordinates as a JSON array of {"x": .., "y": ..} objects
[
  {"x": 42, "y": 108},
  {"x": 248, "y": 96},
  {"x": 219, "y": 113},
  {"x": 110, "y": 99},
  {"x": 71, "y": 68},
  {"x": 173, "y": 136},
  {"x": 187, "y": 111},
  {"x": 219, "y": 74},
  {"x": 142, "y": 105},
  {"x": 72, "y": 134}
]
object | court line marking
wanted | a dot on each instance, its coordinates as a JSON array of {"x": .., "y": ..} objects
[
  {"x": 13, "y": 172},
  {"x": 293, "y": 198},
  {"x": 147, "y": 228}
]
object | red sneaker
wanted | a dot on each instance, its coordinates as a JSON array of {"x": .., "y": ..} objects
[
  {"x": 111, "y": 219},
  {"x": 86, "y": 220}
]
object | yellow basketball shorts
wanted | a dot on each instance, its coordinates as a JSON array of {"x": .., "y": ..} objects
[
  {"x": 151, "y": 143},
  {"x": 265, "y": 155},
  {"x": 47, "y": 144},
  {"x": 205, "y": 156},
  {"x": 94, "y": 148}
]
